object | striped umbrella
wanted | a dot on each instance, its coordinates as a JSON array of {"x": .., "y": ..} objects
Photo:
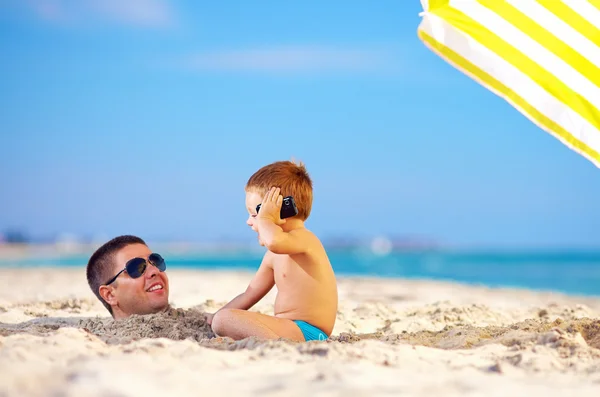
[{"x": 543, "y": 57}]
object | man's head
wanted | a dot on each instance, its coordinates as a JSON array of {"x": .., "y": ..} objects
[
  {"x": 291, "y": 178},
  {"x": 126, "y": 295}
]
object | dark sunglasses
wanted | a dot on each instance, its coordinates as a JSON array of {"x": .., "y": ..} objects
[{"x": 137, "y": 266}]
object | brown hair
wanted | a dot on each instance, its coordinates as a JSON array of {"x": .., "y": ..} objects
[
  {"x": 100, "y": 267},
  {"x": 291, "y": 178}
]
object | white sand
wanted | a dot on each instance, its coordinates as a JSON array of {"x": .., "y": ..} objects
[{"x": 523, "y": 361}]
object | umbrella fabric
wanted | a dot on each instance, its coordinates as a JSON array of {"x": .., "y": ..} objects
[{"x": 543, "y": 57}]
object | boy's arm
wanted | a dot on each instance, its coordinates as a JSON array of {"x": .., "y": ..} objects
[
  {"x": 279, "y": 242},
  {"x": 262, "y": 282},
  {"x": 272, "y": 235}
]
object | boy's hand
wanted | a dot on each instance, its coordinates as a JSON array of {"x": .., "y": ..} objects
[
  {"x": 270, "y": 208},
  {"x": 209, "y": 318}
]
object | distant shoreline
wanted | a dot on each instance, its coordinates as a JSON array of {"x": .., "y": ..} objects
[{"x": 28, "y": 250}]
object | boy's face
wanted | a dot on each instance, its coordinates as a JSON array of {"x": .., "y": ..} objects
[{"x": 253, "y": 199}]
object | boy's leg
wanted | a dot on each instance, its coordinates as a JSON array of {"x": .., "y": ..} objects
[{"x": 240, "y": 324}]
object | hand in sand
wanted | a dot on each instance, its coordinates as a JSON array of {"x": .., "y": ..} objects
[
  {"x": 209, "y": 318},
  {"x": 270, "y": 208}
]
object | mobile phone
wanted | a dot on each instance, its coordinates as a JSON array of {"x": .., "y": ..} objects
[{"x": 288, "y": 208}]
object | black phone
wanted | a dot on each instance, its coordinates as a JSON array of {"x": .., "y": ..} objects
[{"x": 288, "y": 208}]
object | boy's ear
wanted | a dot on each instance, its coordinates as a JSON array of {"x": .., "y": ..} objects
[{"x": 107, "y": 293}]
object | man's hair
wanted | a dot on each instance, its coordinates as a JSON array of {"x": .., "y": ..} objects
[
  {"x": 100, "y": 267},
  {"x": 291, "y": 178}
]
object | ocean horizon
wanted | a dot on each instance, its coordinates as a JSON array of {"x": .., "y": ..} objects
[{"x": 574, "y": 272}]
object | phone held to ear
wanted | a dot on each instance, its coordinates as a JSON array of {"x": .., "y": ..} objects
[{"x": 288, "y": 208}]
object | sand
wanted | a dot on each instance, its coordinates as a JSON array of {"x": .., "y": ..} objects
[{"x": 392, "y": 337}]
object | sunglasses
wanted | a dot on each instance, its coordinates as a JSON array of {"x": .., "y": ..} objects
[{"x": 137, "y": 266}]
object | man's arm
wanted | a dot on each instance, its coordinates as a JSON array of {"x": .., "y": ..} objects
[{"x": 279, "y": 242}]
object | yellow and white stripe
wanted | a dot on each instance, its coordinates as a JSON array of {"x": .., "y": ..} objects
[{"x": 543, "y": 57}]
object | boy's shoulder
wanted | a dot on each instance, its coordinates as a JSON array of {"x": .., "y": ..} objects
[
  {"x": 304, "y": 232},
  {"x": 268, "y": 258},
  {"x": 295, "y": 242},
  {"x": 307, "y": 236}
]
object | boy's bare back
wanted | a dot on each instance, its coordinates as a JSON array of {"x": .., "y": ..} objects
[{"x": 306, "y": 285}]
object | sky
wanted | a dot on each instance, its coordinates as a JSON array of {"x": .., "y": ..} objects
[{"x": 148, "y": 117}]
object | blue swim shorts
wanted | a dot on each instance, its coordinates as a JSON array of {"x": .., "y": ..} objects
[{"x": 310, "y": 332}]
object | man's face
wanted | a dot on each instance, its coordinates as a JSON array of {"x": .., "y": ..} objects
[{"x": 146, "y": 294}]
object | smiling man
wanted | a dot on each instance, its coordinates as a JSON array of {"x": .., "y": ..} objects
[{"x": 128, "y": 278}]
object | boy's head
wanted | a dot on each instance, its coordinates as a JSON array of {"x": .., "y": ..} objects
[
  {"x": 126, "y": 295},
  {"x": 291, "y": 178}
]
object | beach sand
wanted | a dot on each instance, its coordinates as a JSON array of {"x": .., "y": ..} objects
[{"x": 392, "y": 337}]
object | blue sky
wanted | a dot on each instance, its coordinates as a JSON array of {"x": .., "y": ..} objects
[{"x": 147, "y": 117}]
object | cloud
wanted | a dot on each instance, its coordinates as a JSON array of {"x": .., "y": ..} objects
[
  {"x": 293, "y": 59},
  {"x": 146, "y": 13}
]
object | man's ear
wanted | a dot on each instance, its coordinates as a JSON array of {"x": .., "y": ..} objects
[{"x": 107, "y": 293}]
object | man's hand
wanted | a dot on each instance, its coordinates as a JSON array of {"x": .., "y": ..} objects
[
  {"x": 270, "y": 208},
  {"x": 209, "y": 318}
]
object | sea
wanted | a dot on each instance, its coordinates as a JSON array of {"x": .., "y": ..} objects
[{"x": 575, "y": 272}]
